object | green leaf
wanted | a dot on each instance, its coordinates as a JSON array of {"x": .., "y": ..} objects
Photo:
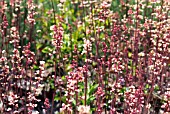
[
  {"x": 74, "y": 102},
  {"x": 93, "y": 88},
  {"x": 145, "y": 91},
  {"x": 51, "y": 83},
  {"x": 107, "y": 22},
  {"x": 81, "y": 85},
  {"x": 35, "y": 67},
  {"x": 50, "y": 61},
  {"x": 123, "y": 90},
  {"x": 94, "y": 63},
  {"x": 122, "y": 99},
  {"x": 129, "y": 54},
  {"x": 47, "y": 49},
  {"x": 38, "y": 45},
  {"x": 56, "y": 98},
  {"x": 63, "y": 77},
  {"x": 90, "y": 99},
  {"x": 156, "y": 88},
  {"x": 147, "y": 86}
]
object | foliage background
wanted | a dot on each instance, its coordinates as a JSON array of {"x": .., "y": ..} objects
[{"x": 107, "y": 53}]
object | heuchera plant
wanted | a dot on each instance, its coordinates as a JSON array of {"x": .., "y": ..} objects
[{"x": 84, "y": 56}]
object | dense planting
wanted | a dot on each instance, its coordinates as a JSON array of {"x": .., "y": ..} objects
[{"x": 84, "y": 56}]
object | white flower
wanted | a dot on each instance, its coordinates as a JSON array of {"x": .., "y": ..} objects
[
  {"x": 13, "y": 29},
  {"x": 62, "y": 1},
  {"x": 52, "y": 27},
  {"x": 1, "y": 104},
  {"x": 141, "y": 54},
  {"x": 38, "y": 31},
  {"x": 42, "y": 62},
  {"x": 35, "y": 112},
  {"x": 84, "y": 109}
]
